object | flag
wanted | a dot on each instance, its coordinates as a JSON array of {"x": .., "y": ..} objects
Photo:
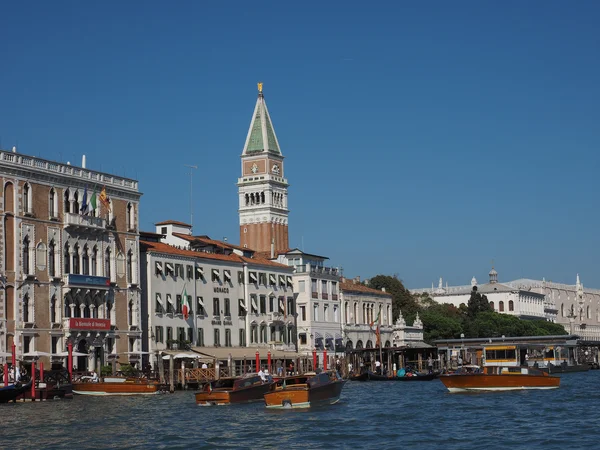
[
  {"x": 378, "y": 334},
  {"x": 84, "y": 203},
  {"x": 376, "y": 320},
  {"x": 93, "y": 202},
  {"x": 185, "y": 305},
  {"x": 104, "y": 198}
]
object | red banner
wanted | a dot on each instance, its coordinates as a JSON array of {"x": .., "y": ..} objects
[{"x": 90, "y": 324}]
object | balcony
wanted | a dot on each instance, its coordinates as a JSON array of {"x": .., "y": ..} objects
[
  {"x": 315, "y": 295},
  {"x": 334, "y": 296},
  {"x": 325, "y": 296},
  {"x": 275, "y": 317},
  {"x": 84, "y": 222},
  {"x": 216, "y": 320}
]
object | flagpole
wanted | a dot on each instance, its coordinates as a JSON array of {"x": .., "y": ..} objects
[{"x": 191, "y": 193}]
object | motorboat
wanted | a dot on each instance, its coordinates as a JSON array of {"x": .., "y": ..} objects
[
  {"x": 304, "y": 391},
  {"x": 224, "y": 391}
]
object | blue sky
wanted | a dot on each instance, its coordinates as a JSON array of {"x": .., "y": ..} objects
[{"x": 423, "y": 140}]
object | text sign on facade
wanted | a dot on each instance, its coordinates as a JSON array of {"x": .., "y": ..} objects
[
  {"x": 222, "y": 290},
  {"x": 89, "y": 280},
  {"x": 89, "y": 324}
]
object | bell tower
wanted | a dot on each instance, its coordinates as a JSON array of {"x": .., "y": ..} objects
[{"x": 262, "y": 188}]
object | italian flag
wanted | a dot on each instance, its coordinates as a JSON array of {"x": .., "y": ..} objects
[{"x": 185, "y": 306}]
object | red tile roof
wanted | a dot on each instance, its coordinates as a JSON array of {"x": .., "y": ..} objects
[
  {"x": 159, "y": 247},
  {"x": 174, "y": 222},
  {"x": 207, "y": 240},
  {"x": 350, "y": 286}
]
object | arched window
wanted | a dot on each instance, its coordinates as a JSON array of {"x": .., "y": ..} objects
[
  {"x": 501, "y": 306},
  {"x": 40, "y": 256},
  {"x": 27, "y": 199},
  {"x": 67, "y": 259},
  {"x": 26, "y": 308},
  {"x": 587, "y": 313},
  {"x": 359, "y": 345},
  {"x": 85, "y": 261},
  {"x": 511, "y": 305},
  {"x": 492, "y": 305},
  {"x": 67, "y": 201},
  {"x": 53, "y": 309},
  {"x": 562, "y": 310},
  {"x": 217, "y": 338},
  {"x": 87, "y": 314},
  {"x": 355, "y": 313},
  {"x": 26, "y": 262},
  {"x": 75, "y": 266},
  {"x": 52, "y": 206},
  {"x": 51, "y": 258},
  {"x": 75, "y": 202},
  {"x": 130, "y": 312},
  {"x": 107, "y": 258},
  {"x": 67, "y": 307},
  {"x": 95, "y": 260},
  {"x": 130, "y": 266}
]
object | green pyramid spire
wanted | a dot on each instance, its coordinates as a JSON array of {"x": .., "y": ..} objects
[{"x": 261, "y": 135}]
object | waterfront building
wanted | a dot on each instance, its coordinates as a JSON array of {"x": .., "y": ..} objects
[
  {"x": 363, "y": 308},
  {"x": 69, "y": 262},
  {"x": 262, "y": 187},
  {"x": 238, "y": 302},
  {"x": 576, "y": 308},
  {"x": 318, "y": 304},
  {"x": 503, "y": 297}
]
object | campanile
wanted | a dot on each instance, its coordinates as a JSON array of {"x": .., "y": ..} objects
[{"x": 262, "y": 188}]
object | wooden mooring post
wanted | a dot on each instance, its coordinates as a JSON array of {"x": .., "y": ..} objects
[{"x": 171, "y": 374}]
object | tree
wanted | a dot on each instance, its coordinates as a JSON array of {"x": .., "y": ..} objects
[
  {"x": 402, "y": 299},
  {"x": 478, "y": 303}
]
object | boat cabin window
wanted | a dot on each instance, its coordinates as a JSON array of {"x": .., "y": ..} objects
[
  {"x": 248, "y": 381},
  {"x": 506, "y": 354}
]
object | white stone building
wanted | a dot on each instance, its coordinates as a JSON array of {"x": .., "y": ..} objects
[
  {"x": 504, "y": 297},
  {"x": 318, "y": 302},
  {"x": 576, "y": 308},
  {"x": 239, "y": 303},
  {"x": 362, "y": 309}
]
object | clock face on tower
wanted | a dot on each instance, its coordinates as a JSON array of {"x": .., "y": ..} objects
[
  {"x": 254, "y": 168},
  {"x": 275, "y": 169}
]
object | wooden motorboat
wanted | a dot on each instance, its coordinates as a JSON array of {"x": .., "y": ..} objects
[
  {"x": 418, "y": 377},
  {"x": 499, "y": 379},
  {"x": 249, "y": 388},
  {"x": 118, "y": 386},
  {"x": 12, "y": 391},
  {"x": 565, "y": 368},
  {"x": 304, "y": 391}
]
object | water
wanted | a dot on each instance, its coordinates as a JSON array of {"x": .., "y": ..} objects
[{"x": 370, "y": 415}]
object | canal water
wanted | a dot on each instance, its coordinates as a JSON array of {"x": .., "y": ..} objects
[{"x": 378, "y": 415}]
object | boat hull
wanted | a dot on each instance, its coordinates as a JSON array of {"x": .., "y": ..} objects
[
  {"x": 494, "y": 382},
  {"x": 126, "y": 388},
  {"x": 11, "y": 392},
  {"x": 565, "y": 368},
  {"x": 305, "y": 397},
  {"x": 227, "y": 396}
]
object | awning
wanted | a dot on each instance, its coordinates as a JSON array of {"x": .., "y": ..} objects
[
  {"x": 170, "y": 267},
  {"x": 281, "y": 280},
  {"x": 5, "y": 354},
  {"x": 254, "y": 304},
  {"x": 289, "y": 281},
  {"x": 159, "y": 299},
  {"x": 281, "y": 304},
  {"x": 35, "y": 354},
  {"x": 271, "y": 278},
  {"x": 199, "y": 271},
  {"x": 227, "y": 275},
  {"x": 216, "y": 273},
  {"x": 74, "y": 353},
  {"x": 200, "y": 301},
  {"x": 253, "y": 276},
  {"x": 159, "y": 266},
  {"x": 135, "y": 353},
  {"x": 242, "y": 303},
  {"x": 170, "y": 299}
]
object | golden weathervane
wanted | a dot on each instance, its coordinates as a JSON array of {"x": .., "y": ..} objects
[{"x": 260, "y": 87}]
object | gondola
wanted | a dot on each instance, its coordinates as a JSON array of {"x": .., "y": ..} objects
[
  {"x": 11, "y": 392},
  {"x": 362, "y": 377}
]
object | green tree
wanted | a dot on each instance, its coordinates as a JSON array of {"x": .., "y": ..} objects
[
  {"x": 402, "y": 299},
  {"x": 441, "y": 321},
  {"x": 477, "y": 303}
]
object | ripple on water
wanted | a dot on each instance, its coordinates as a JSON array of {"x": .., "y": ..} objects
[{"x": 369, "y": 415}]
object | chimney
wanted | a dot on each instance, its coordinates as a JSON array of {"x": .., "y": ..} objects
[
  {"x": 83, "y": 161},
  {"x": 272, "y": 248},
  {"x": 14, "y": 149}
]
